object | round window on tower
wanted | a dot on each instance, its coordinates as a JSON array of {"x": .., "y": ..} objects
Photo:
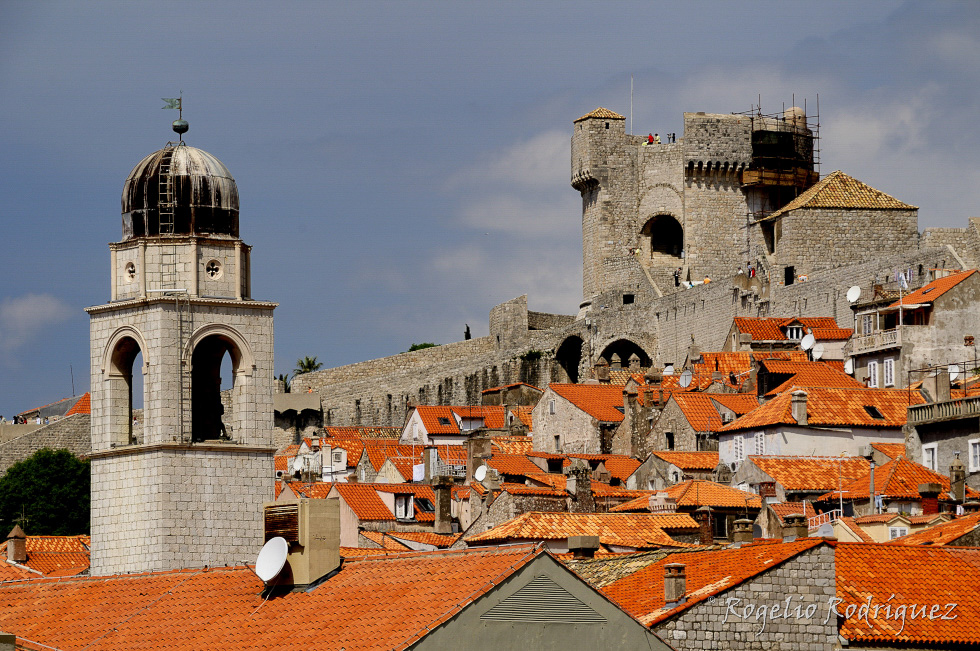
[
  {"x": 213, "y": 269},
  {"x": 130, "y": 272}
]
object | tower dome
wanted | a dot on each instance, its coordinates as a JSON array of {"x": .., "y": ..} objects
[{"x": 180, "y": 190}]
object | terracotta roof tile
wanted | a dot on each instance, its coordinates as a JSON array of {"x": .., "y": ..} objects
[
  {"x": 695, "y": 493},
  {"x": 942, "y": 534},
  {"x": 890, "y": 450},
  {"x": 823, "y": 328},
  {"x": 856, "y": 529},
  {"x": 782, "y": 509},
  {"x": 83, "y": 406},
  {"x": 621, "y": 529},
  {"x": 363, "y": 499},
  {"x": 810, "y": 374},
  {"x": 438, "y": 419},
  {"x": 702, "y": 413},
  {"x": 897, "y": 479},
  {"x": 811, "y": 473},
  {"x": 315, "y": 490},
  {"x": 602, "y": 113},
  {"x": 513, "y": 464},
  {"x": 49, "y": 556},
  {"x": 839, "y": 190},
  {"x": 441, "y": 541},
  {"x": 833, "y": 407},
  {"x": 511, "y": 444},
  {"x": 619, "y": 466},
  {"x": 935, "y": 289},
  {"x": 690, "y": 461},
  {"x": 601, "y": 401},
  {"x": 363, "y": 431}
]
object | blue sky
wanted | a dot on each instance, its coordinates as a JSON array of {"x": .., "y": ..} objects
[{"x": 403, "y": 166}]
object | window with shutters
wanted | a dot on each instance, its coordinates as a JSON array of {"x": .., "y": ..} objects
[
  {"x": 739, "y": 449},
  {"x": 873, "y": 375},
  {"x": 889, "y": 369},
  {"x": 760, "y": 443}
]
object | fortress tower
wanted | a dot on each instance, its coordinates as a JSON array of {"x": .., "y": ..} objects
[
  {"x": 648, "y": 210},
  {"x": 186, "y": 490}
]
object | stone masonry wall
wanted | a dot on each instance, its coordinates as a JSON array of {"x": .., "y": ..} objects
[
  {"x": 808, "y": 580},
  {"x": 73, "y": 433}
]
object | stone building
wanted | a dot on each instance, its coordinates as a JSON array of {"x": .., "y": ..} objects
[{"x": 186, "y": 490}]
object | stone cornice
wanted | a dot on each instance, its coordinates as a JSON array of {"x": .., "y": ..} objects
[
  {"x": 193, "y": 300},
  {"x": 232, "y": 448}
]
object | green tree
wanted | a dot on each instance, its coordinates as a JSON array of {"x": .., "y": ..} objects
[
  {"x": 284, "y": 378},
  {"x": 51, "y": 490},
  {"x": 427, "y": 344},
  {"x": 306, "y": 365}
]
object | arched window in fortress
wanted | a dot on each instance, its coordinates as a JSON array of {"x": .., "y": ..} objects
[
  {"x": 120, "y": 375},
  {"x": 569, "y": 356},
  {"x": 662, "y": 239},
  {"x": 208, "y": 412},
  {"x": 623, "y": 350}
]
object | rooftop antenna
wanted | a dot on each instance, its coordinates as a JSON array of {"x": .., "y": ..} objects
[{"x": 179, "y": 125}]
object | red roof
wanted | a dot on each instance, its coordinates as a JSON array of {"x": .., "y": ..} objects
[
  {"x": 363, "y": 499},
  {"x": 701, "y": 412},
  {"x": 513, "y": 464},
  {"x": 811, "y": 474},
  {"x": 49, "y": 556},
  {"x": 890, "y": 450},
  {"x": 897, "y": 479},
  {"x": 512, "y": 444},
  {"x": 83, "y": 406},
  {"x": 695, "y": 493},
  {"x": 601, "y": 401},
  {"x": 782, "y": 509},
  {"x": 689, "y": 461},
  {"x": 942, "y": 534},
  {"x": 903, "y": 575},
  {"x": 935, "y": 289},
  {"x": 809, "y": 374},
  {"x": 823, "y": 328},
  {"x": 316, "y": 490},
  {"x": 640, "y": 531},
  {"x": 438, "y": 419}
]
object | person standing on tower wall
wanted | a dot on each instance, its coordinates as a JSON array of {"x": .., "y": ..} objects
[
  {"x": 656, "y": 138},
  {"x": 650, "y": 139}
]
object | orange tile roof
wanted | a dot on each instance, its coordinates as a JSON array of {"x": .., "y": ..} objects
[
  {"x": 350, "y": 552},
  {"x": 811, "y": 473},
  {"x": 902, "y": 575},
  {"x": 597, "y": 400},
  {"x": 697, "y": 492},
  {"x": 856, "y": 529},
  {"x": 602, "y": 113},
  {"x": 49, "y": 556},
  {"x": 832, "y": 407},
  {"x": 620, "y": 466},
  {"x": 381, "y": 538},
  {"x": 511, "y": 444},
  {"x": 935, "y": 289},
  {"x": 641, "y": 531},
  {"x": 492, "y": 415},
  {"x": 737, "y": 363},
  {"x": 839, "y": 190},
  {"x": 83, "y": 406},
  {"x": 690, "y": 460},
  {"x": 315, "y": 490},
  {"x": 810, "y": 374},
  {"x": 700, "y": 411},
  {"x": 709, "y": 573},
  {"x": 353, "y": 446},
  {"x": 523, "y": 414},
  {"x": 438, "y": 540},
  {"x": 363, "y": 431},
  {"x": 430, "y": 416},
  {"x": 281, "y": 463},
  {"x": 376, "y": 602},
  {"x": 782, "y": 509},
  {"x": 897, "y": 479},
  {"x": 513, "y": 464},
  {"x": 771, "y": 328},
  {"x": 363, "y": 499},
  {"x": 890, "y": 450},
  {"x": 942, "y": 534}
]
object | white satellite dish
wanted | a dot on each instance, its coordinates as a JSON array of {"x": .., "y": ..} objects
[
  {"x": 480, "y": 474},
  {"x": 806, "y": 343},
  {"x": 954, "y": 372},
  {"x": 853, "y": 294},
  {"x": 271, "y": 559},
  {"x": 686, "y": 378},
  {"x": 297, "y": 464},
  {"x": 849, "y": 366},
  {"x": 669, "y": 369},
  {"x": 818, "y": 351}
]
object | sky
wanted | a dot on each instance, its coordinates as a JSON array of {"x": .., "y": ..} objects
[{"x": 404, "y": 166}]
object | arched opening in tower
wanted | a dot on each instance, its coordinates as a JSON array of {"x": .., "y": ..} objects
[
  {"x": 569, "y": 356},
  {"x": 126, "y": 357},
  {"x": 214, "y": 373},
  {"x": 623, "y": 353},
  {"x": 662, "y": 240}
]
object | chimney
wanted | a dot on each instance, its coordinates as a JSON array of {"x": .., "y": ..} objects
[
  {"x": 704, "y": 517},
  {"x": 675, "y": 583},
  {"x": 957, "y": 480},
  {"x": 602, "y": 371},
  {"x": 798, "y": 407},
  {"x": 443, "y": 489},
  {"x": 942, "y": 385},
  {"x": 478, "y": 448},
  {"x": 745, "y": 341},
  {"x": 430, "y": 461},
  {"x": 311, "y": 528},
  {"x": 578, "y": 484},
  {"x": 795, "y": 526},
  {"x": 583, "y": 546},
  {"x": 743, "y": 531},
  {"x": 972, "y": 506},
  {"x": 634, "y": 362},
  {"x": 16, "y": 545},
  {"x": 929, "y": 494}
]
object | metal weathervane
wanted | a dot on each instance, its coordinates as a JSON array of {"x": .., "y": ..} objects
[{"x": 180, "y": 124}]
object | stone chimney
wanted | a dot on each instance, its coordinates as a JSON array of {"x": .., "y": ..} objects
[
  {"x": 16, "y": 545},
  {"x": 704, "y": 516},
  {"x": 798, "y": 407},
  {"x": 929, "y": 494},
  {"x": 957, "y": 480},
  {"x": 942, "y": 385},
  {"x": 443, "y": 489},
  {"x": 602, "y": 371},
  {"x": 795, "y": 526},
  {"x": 675, "y": 583},
  {"x": 743, "y": 531},
  {"x": 478, "y": 449},
  {"x": 634, "y": 362},
  {"x": 430, "y": 463},
  {"x": 583, "y": 546},
  {"x": 745, "y": 341},
  {"x": 578, "y": 484}
]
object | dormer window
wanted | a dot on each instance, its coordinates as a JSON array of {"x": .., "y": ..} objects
[
  {"x": 403, "y": 507},
  {"x": 794, "y": 332},
  {"x": 443, "y": 421}
]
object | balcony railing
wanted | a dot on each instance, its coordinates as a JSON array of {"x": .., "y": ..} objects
[
  {"x": 879, "y": 340},
  {"x": 815, "y": 521},
  {"x": 945, "y": 410}
]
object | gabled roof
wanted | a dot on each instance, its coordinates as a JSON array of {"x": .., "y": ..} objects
[
  {"x": 438, "y": 540},
  {"x": 513, "y": 464},
  {"x": 603, "y": 113},
  {"x": 315, "y": 490},
  {"x": 782, "y": 509},
  {"x": 48, "y": 556},
  {"x": 833, "y": 407},
  {"x": 363, "y": 431},
  {"x": 855, "y": 528},
  {"x": 811, "y": 474},
  {"x": 809, "y": 374},
  {"x": 597, "y": 400},
  {"x": 946, "y": 533},
  {"x": 823, "y": 328},
  {"x": 841, "y": 191},
  {"x": 620, "y": 466},
  {"x": 924, "y": 576},
  {"x": 438, "y": 419},
  {"x": 700, "y": 461},
  {"x": 641, "y": 531},
  {"x": 694, "y": 493},
  {"x": 364, "y": 501},
  {"x": 511, "y": 444},
  {"x": 897, "y": 479},
  {"x": 83, "y": 406},
  {"x": 709, "y": 572},
  {"x": 737, "y": 363},
  {"x": 935, "y": 289},
  {"x": 376, "y": 601},
  {"x": 890, "y": 450},
  {"x": 700, "y": 411}
]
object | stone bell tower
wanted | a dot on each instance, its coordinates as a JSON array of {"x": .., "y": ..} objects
[{"x": 186, "y": 488}]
